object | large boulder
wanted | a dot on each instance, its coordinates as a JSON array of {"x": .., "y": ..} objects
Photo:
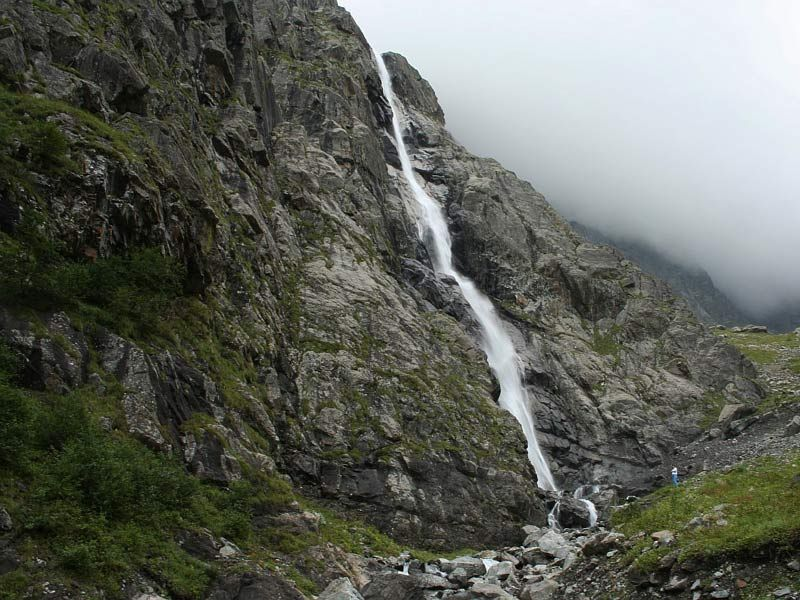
[{"x": 340, "y": 589}]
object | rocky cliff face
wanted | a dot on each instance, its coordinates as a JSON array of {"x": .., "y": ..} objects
[
  {"x": 248, "y": 140},
  {"x": 694, "y": 285}
]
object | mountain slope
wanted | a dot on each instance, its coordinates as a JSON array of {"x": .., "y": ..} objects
[
  {"x": 206, "y": 246},
  {"x": 708, "y": 303}
]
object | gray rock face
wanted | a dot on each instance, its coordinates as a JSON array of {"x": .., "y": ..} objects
[{"x": 412, "y": 89}]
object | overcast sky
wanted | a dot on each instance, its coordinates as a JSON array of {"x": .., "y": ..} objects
[{"x": 673, "y": 121}]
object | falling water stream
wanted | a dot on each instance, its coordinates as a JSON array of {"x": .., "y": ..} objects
[{"x": 497, "y": 344}]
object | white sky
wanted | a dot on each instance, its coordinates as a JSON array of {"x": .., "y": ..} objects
[{"x": 672, "y": 121}]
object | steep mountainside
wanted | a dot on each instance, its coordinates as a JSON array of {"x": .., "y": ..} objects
[
  {"x": 206, "y": 242},
  {"x": 707, "y": 303}
]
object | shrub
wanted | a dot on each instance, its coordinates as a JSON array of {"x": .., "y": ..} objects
[
  {"x": 16, "y": 415},
  {"x": 125, "y": 293}
]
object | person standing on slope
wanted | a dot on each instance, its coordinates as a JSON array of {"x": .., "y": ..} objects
[{"x": 674, "y": 475}]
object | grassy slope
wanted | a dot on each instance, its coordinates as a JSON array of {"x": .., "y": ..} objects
[
  {"x": 759, "y": 514},
  {"x": 776, "y": 355}
]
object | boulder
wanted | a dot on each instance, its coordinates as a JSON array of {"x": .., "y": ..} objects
[
  {"x": 664, "y": 537},
  {"x": 751, "y": 329},
  {"x": 431, "y": 581},
  {"x": 489, "y": 590},
  {"x": 793, "y": 428},
  {"x": 554, "y": 544},
  {"x": 200, "y": 544},
  {"x": 736, "y": 427},
  {"x": 392, "y": 586},
  {"x": 298, "y": 522},
  {"x": 6, "y": 524},
  {"x": 252, "y": 586},
  {"x": 473, "y": 567},
  {"x": 541, "y": 590},
  {"x": 501, "y": 570},
  {"x": 602, "y": 543},
  {"x": 340, "y": 589},
  {"x": 731, "y": 412},
  {"x": 532, "y": 534}
]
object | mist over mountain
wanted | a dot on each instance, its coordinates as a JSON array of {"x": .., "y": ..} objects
[
  {"x": 695, "y": 285},
  {"x": 670, "y": 123}
]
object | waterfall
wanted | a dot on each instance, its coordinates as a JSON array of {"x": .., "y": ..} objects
[
  {"x": 579, "y": 495},
  {"x": 497, "y": 344}
]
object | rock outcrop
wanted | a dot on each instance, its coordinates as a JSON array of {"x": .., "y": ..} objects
[{"x": 248, "y": 140}]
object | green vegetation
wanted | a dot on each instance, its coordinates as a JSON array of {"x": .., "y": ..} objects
[
  {"x": 712, "y": 403},
  {"x": 28, "y": 141},
  {"x": 31, "y": 138},
  {"x": 759, "y": 513},
  {"x": 761, "y": 348},
  {"x": 776, "y": 400},
  {"x": 762, "y": 356},
  {"x": 99, "y": 506},
  {"x": 125, "y": 293},
  {"x": 606, "y": 343},
  {"x": 794, "y": 366}
]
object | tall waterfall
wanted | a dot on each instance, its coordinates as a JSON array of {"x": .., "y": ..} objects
[{"x": 497, "y": 344}]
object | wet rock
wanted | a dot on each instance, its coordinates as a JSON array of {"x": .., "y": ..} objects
[
  {"x": 782, "y": 592},
  {"x": 411, "y": 88},
  {"x": 573, "y": 513},
  {"x": 720, "y": 594},
  {"x": 340, "y": 589},
  {"x": 6, "y": 524},
  {"x": 793, "y": 565}
]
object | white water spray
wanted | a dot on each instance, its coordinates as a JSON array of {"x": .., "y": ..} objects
[
  {"x": 497, "y": 344},
  {"x": 579, "y": 495}
]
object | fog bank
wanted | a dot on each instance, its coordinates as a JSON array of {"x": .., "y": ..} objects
[{"x": 677, "y": 123}]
